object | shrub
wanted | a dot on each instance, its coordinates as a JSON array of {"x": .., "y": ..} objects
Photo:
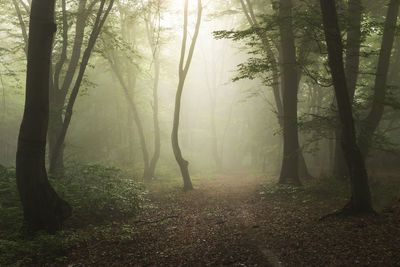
[{"x": 98, "y": 193}]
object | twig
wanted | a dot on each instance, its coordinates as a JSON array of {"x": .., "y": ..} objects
[{"x": 156, "y": 221}]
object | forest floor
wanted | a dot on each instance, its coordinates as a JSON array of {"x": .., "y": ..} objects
[{"x": 236, "y": 220}]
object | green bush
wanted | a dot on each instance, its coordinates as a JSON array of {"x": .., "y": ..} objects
[
  {"x": 10, "y": 206},
  {"x": 96, "y": 193}
]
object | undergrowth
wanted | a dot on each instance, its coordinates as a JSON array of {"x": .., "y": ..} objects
[
  {"x": 98, "y": 195},
  {"x": 384, "y": 191}
]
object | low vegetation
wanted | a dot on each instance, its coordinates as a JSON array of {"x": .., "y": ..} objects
[{"x": 98, "y": 195}]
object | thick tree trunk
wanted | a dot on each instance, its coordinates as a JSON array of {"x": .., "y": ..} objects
[
  {"x": 360, "y": 195},
  {"x": 290, "y": 162},
  {"x": 371, "y": 122},
  {"x": 43, "y": 208},
  {"x": 353, "y": 45},
  {"x": 339, "y": 169}
]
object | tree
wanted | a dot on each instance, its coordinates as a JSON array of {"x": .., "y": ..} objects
[
  {"x": 289, "y": 170},
  {"x": 153, "y": 29},
  {"x": 125, "y": 70},
  {"x": 353, "y": 44},
  {"x": 64, "y": 70},
  {"x": 101, "y": 16},
  {"x": 43, "y": 208},
  {"x": 360, "y": 200},
  {"x": 372, "y": 120},
  {"x": 183, "y": 70},
  {"x": 269, "y": 65},
  {"x": 117, "y": 60}
]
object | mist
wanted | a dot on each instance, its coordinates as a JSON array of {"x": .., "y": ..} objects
[{"x": 199, "y": 132}]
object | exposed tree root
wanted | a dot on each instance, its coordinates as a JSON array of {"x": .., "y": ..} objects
[{"x": 349, "y": 210}]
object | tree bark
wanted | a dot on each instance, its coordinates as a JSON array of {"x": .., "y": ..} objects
[
  {"x": 360, "y": 195},
  {"x": 371, "y": 122},
  {"x": 304, "y": 51},
  {"x": 290, "y": 162},
  {"x": 351, "y": 69},
  {"x": 101, "y": 17},
  {"x": 43, "y": 208},
  {"x": 183, "y": 70},
  {"x": 58, "y": 93}
]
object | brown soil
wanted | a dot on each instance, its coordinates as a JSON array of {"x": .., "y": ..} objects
[{"x": 230, "y": 221}]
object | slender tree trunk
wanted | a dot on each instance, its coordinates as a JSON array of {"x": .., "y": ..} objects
[
  {"x": 371, "y": 122},
  {"x": 55, "y": 125},
  {"x": 22, "y": 25},
  {"x": 138, "y": 122},
  {"x": 156, "y": 124},
  {"x": 43, "y": 208},
  {"x": 58, "y": 93},
  {"x": 290, "y": 162},
  {"x": 155, "y": 50},
  {"x": 360, "y": 195},
  {"x": 183, "y": 70},
  {"x": 101, "y": 17},
  {"x": 183, "y": 164}
]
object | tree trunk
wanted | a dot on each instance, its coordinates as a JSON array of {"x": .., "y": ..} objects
[
  {"x": 183, "y": 164},
  {"x": 58, "y": 94},
  {"x": 155, "y": 50},
  {"x": 340, "y": 170},
  {"x": 290, "y": 162},
  {"x": 43, "y": 208},
  {"x": 101, "y": 17},
  {"x": 183, "y": 70},
  {"x": 353, "y": 45},
  {"x": 56, "y": 168},
  {"x": 371, "y": 122},
  {"x": 360, "y": 195},
  {"x": 156, "y": 125},
  {"x": 138, "y": 122}
]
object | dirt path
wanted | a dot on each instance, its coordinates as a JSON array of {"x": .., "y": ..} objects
[
  {"x": 216, "y": 224},
  {"x": 228, "y": 221}
]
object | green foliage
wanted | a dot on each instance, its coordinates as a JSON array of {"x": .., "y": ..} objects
[
  {"x": 97, "y": 194},
  {"x": 385, "y": 190},
  {"x": 327, "y": 189},
  {"x": 10, "y": 207}
]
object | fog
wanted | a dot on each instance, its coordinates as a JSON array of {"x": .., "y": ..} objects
[{"x": 199, "y": 133}]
